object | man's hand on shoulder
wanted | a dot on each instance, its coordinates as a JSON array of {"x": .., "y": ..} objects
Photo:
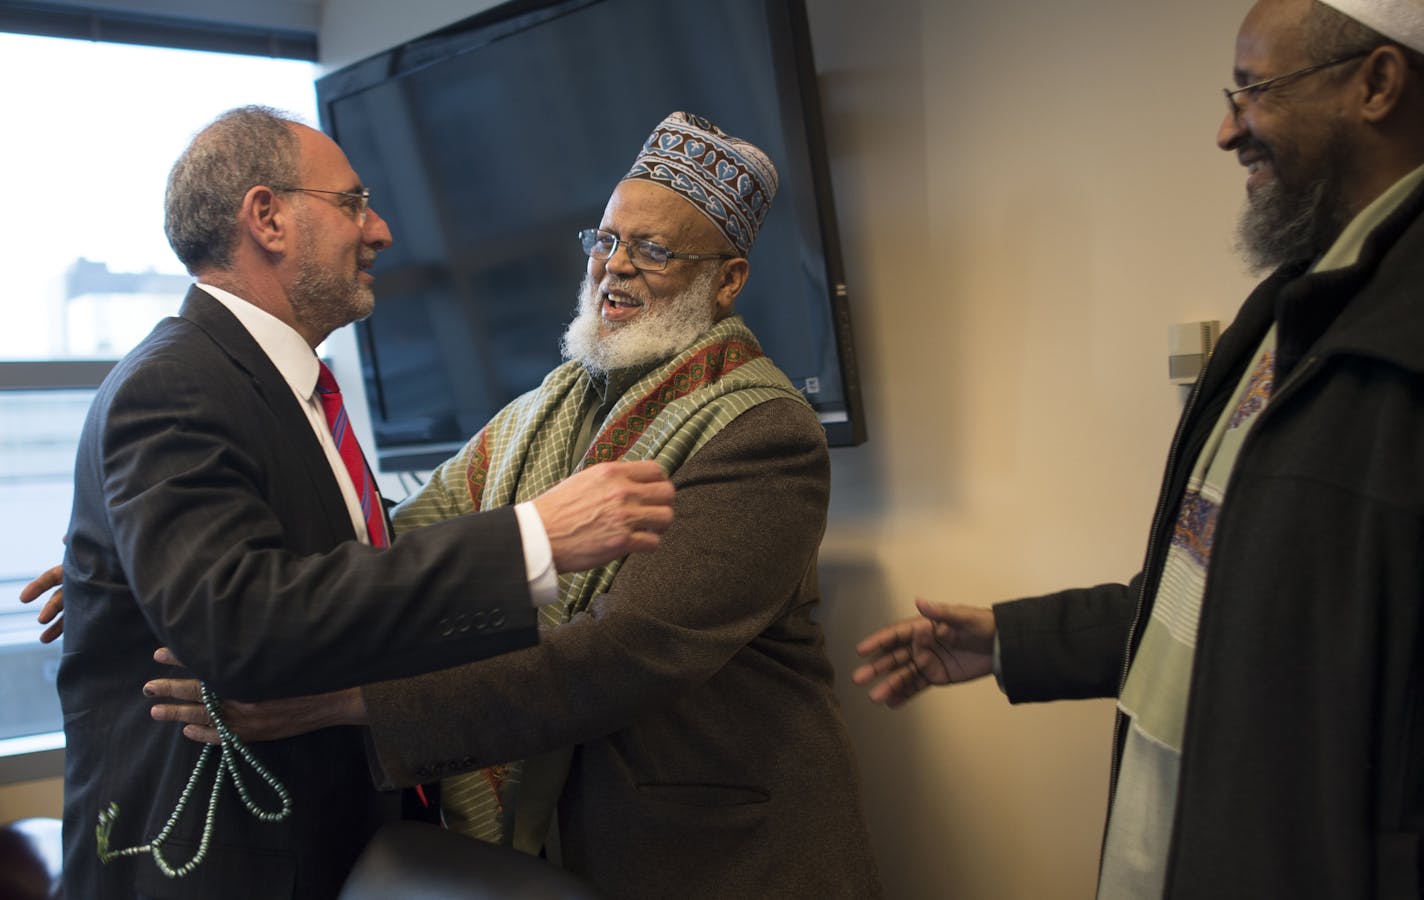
[{"x": 606, "y": 512}]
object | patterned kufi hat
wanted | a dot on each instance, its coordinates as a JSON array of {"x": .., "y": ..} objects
[
  {"x": 729, "y": 180},
  {"x": 1398, "y": 20}
]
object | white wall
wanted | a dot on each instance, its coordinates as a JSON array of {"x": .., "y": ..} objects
[{"x": 1029, "y": 195}]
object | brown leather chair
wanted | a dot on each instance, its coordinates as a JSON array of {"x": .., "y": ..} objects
[
  {"x": 30, "y": 859},
  {"x": 419, "y": 861}
]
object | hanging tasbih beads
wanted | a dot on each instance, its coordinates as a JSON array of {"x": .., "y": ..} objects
[{"x": 232, "y": 751}]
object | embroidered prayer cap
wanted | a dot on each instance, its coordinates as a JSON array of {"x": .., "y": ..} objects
[
  {"x": 729, "y": 180},
  {"x": 1398, "y": 20}
]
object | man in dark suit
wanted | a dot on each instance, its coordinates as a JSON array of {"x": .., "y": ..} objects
[{"x": 222, "y": 510}]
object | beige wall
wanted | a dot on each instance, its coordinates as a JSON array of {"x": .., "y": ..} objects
[
  {"x": 24, "y": 799},
  {"x": 1028, "y": 196}
]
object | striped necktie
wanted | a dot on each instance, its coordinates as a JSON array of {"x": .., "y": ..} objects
[{"x": 330, "y": 396}]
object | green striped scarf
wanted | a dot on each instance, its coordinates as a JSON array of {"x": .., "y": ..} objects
[{"x": 667, "y": 415}]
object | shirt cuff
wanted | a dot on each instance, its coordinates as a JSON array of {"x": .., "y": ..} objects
[
  {"x": 538, "y": 555},
  {"x": 998, "y": 664}
]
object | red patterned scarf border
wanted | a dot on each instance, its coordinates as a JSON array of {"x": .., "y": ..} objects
[
  {"x": 478, "y": 472},
  {"x": 704, "y": 367}
]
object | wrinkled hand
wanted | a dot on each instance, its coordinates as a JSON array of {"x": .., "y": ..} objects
[
  {"x": 52, "y": 612},
  {"x": 946, "y": 644},
  {"x": 269, "y": 720},
  {"x": 606, "y": 512}
]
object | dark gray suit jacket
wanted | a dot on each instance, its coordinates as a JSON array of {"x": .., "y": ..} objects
[{"x": 206, "y": 518}]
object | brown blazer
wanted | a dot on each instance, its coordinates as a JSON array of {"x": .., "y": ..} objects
[{"x": 710, "y": 758}]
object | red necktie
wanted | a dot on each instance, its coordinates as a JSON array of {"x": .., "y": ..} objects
[{"x": 350, "y": 451}]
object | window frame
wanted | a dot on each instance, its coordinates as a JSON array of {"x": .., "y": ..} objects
[{"x": 39, "y": 756}]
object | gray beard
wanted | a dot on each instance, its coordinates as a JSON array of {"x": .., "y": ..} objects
[
  {"x": 663, "y": 330},
  {"x": 1285, "y": 223},
  {"x": 325, "y": 300},
  {"x": 1278, "y": 226}
]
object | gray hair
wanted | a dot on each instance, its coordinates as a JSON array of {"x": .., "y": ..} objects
[{"x": 243, "y": 147}]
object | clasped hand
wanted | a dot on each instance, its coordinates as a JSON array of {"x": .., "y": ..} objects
[
  {"x": 606, "y": 512},
  {"x": 268, "y": 720}
]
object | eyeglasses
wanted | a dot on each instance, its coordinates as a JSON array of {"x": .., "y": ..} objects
[
  {"x": 356, "y": 201},
  {"x": 644, "y": 255},
  {"x": 1254, "y": 90}
]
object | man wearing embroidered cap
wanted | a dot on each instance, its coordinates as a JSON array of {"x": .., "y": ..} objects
[
  {"x": 674, "y": 733},
  {"x": 730, "y": 181},
  {"x": 1268, "y": 661}
]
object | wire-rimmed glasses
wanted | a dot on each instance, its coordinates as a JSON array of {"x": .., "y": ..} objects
[{"x": 646, "y": 255}]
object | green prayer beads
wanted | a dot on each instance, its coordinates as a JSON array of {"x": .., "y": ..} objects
[{"x": 233, "y": 749}]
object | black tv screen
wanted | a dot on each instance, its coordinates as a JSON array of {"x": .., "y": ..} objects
[{"x": 489, "y": 144}]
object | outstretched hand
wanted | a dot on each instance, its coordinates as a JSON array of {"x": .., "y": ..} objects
[
  {"x": 52, "y": 613},
  {"x": 606, "y": 512},
  {"x": 268, "y": 720},
  {"x": 945, "y": 644}
]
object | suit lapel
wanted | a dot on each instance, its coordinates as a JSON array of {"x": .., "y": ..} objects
[{"x": 295, "y": 428}]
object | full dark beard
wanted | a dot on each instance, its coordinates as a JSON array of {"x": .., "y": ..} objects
[
  {"x": 1285, "y": 222},
  {"x": 1280, "y": 226}
]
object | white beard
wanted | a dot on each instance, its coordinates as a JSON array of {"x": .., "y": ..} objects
[{"x": 662, "y": 330}]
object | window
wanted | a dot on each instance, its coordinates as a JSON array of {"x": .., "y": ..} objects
[{"x": 93, "y": 129}]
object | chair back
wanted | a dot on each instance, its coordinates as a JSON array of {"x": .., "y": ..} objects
[
  {"x": 420, "y": 861},
  {"x": 30, "y": 859}
]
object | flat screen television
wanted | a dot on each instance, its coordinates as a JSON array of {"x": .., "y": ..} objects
[{"x": 489, "y": 144}]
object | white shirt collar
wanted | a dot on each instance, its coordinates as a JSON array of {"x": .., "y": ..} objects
[{"x": 289, "y": 351}]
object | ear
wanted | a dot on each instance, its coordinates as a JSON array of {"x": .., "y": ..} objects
[
  {"x": 264, "y": 220},
  {"x": 734, "y": 278},
  {"x": 1385, "y": 72}
]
